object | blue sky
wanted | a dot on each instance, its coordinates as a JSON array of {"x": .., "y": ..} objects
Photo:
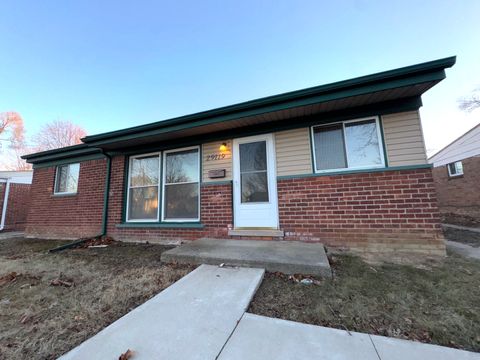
[{"x": 111, "y": 64}]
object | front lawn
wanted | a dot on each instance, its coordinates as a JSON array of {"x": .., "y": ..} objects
[
  {"x": 438, "y": 303},
  {"x": 49, "y": 303}
]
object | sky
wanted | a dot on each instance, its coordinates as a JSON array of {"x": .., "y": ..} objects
[{"x": 108, "y": 65}]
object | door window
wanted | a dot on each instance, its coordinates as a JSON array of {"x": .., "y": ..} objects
[{"x": 253, "y": 172}]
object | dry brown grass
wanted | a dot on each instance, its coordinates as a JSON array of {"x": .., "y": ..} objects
[
  {"x": 40, "y": 321},
  {"x": 438, "y": 303}
]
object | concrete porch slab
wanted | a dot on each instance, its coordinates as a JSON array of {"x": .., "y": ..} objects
[
  {"x": 191, "y": 319},
  {"x": 288, "y": 257},
  {"x": 260, "y": 337}
]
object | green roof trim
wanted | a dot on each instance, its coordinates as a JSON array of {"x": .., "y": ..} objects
[
  {"x": 428, "y": 73},
  {"x": 68, "y": 152},
  {"x": 410, "y": 75}
]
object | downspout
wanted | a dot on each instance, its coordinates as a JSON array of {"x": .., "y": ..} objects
[
  {"x": 5, "y": 202},
  {"x": 104, "y": 213},
  {"x": 106, "y": 194}
]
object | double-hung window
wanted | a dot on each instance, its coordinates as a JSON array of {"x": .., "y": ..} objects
[
  {"x": 66, "y": 179},
  {"x": 171, "y": 178},
  {"x": 181, "y": 185},
  {"x": 354, "y": 144},
  {"x": 143, "y": 188}
]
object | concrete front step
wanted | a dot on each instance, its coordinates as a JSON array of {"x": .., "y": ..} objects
[
  {"x": 288, "y": 257},
  {"x": 191, "y": 319},
  {"x": 256, "y": 232}
]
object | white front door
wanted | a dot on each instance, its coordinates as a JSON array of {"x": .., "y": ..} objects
[{"x": 255, "y": 203}]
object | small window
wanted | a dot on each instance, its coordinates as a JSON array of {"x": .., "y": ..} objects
[
  {"x": 455, "y": 169},
  {"x": 181, "y": 189},
  {"x": 349, "y": 145},
  {"x": 143, "y": 188},
  {"x": 66, "y": 179}
]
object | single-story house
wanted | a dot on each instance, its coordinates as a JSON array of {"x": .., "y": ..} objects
[
  {"x": 343, "y": 164},
  {"x": 14, "y": 199},
  {"x": 456, "y": 172}
]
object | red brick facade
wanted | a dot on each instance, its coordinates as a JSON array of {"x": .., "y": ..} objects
[
  {"x": 17, "y": 206},
  {"x": 459, "y": 197},
  {"x": 379, "y": 211},
  {"x": 67, "y": 216}
]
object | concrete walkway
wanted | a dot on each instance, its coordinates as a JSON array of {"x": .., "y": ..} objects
[
  {"x": 202, "y": 316},
  {"x": 258, "y": 338},
  {"x": 288, "y": 257},
  {"x": 192, "y": 319},
  {"x": 463, "y": 249},
  {"x": 4, "y": 235},
  {"x": 459, "y": 227}
]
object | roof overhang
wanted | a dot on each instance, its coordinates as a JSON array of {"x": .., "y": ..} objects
[{"x": 383, "y": 90}]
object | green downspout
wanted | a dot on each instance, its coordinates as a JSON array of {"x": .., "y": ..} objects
[
  {"x": 106, "y": 194},
  {"x": 104, "y": 213}
]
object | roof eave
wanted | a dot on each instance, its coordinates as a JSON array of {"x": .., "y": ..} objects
[{"x": 418, "y": 70}]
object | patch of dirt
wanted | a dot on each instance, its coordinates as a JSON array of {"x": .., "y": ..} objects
[
  {"x": 437, "y": 304},
  {"x": 72, "y": 294}
]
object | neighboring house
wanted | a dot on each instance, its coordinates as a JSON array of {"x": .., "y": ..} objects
[
  {"x": 14, "y": 199},
  {"x": 343, "y": 164},
  {"x": 456, "y": 171}
]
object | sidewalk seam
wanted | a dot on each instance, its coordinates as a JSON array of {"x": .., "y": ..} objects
[
  {"x": 370, "y": 337},
  {"x": 229, "y": 336}
]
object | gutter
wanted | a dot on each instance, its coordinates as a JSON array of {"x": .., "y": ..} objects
[
  {"x": 5, "y": 202},
  {"x": 104, "y": 212}
]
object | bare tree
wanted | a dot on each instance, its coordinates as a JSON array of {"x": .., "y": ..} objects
[
  {"x": 11, "y": 129},
  {"x": 12, "y": 141},
  {"x": 58, "y": 134},
  {"x": 471, "y": 102}
]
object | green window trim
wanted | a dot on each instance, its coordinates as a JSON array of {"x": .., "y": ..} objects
[
  {"x": 358, "y": 171},
  {"x": 159, "y": 222},
  {"x": 160, "y": 225}
]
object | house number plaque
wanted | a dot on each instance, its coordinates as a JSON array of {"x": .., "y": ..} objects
[{"x": 214, "y": 157}]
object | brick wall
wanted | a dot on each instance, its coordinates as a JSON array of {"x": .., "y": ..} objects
[
  {"x": 459, "y": 197},
  {"x": 374, "y": 212},
  {"x": 216, "y": 213},
  {"x": 70, "y": 217},
  {"x": 17, "y": 206}
]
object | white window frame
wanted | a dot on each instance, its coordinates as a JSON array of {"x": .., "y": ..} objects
[
  {"x": 164, "y": 164},
  {"x": 159, "y": 155},
  {"x": 380, "y": 144},
  {"x": 456, "y": 169},
  {"x": 55, "y": 192}
]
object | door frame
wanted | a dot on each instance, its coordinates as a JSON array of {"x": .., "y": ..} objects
[{"x": 271, "y": 176}]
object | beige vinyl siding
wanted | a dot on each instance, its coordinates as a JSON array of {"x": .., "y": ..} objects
[
  {"x": 212, "y": 164},
  {"x": 293, "y": 152},
  {"x": 404, "y": 139}
]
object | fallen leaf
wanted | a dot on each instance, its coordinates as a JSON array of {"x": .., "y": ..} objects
[
  {"x": 10, "y": 277},
  {"x": 126, "y": 355}
]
